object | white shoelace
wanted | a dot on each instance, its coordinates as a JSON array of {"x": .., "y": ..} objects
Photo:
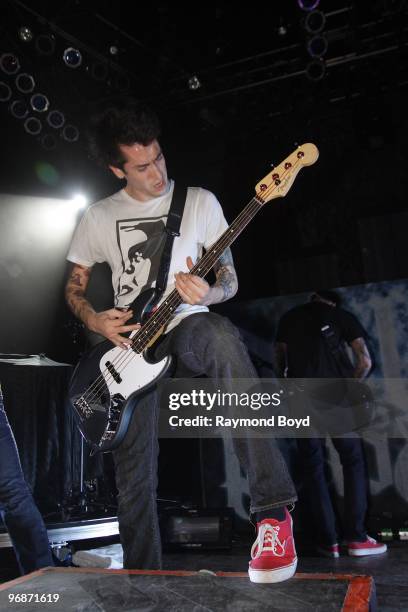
[{"x": 268, "y": 540}]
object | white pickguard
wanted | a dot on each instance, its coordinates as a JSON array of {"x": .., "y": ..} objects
[{"x": 135, "y": 372}]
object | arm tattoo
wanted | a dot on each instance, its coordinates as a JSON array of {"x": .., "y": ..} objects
[
  {"x": 226, "y": 275},
  {"x": 363, "y": 359},
  {"x": 75, "y": 291}
]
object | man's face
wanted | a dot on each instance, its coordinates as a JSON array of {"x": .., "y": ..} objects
[{"x": 144, "y": 170}]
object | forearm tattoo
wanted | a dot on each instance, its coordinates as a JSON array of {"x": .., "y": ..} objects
[
  {"x": 363, "y": 359},
  {"x": 226, "y": 276},
  {"x": 75, "y": 291}
]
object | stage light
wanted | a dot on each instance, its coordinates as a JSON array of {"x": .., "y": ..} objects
[
  {"x": 25, "y": 82},
  {"x": 70, "y": 133},
  {"x": 113, "y": 50},
  {"x": 33, "y": 126},
  {"x": 72, "y": 57},
  {"x": 19, "y": 109},
  {"x": 315, "y": 22},
  {"x": 5, "y": 92},
  {"x": 78, "y": 201},
  {"x": 194, "y": 83},
  {"x": 316, "y": 70},
  {"x": 25, "y": 34},
  {"x": 55, "y": 119},
  {"x": 39, "y": 103},
  {"x": 308, "y": 5},
  {"x": 48, "y": 142},
  {"x": 317, "y": 46},
  {"x": 9, "y": 63},
  {"x": 59, "y": 217},
  {"x": 45, "y": 44}
]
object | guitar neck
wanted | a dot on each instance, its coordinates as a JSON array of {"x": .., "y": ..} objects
[{"x": 166, "y": 310}]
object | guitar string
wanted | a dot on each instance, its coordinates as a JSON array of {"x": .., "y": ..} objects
[
  {"x": 121, "y": 361},
  {"x": 171, "y": 301}
]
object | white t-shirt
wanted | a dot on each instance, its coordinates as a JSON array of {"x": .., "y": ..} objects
[{"x": 129, "y": 235}]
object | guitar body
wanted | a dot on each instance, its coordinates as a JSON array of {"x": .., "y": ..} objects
[{"x": 107, "y": 384}]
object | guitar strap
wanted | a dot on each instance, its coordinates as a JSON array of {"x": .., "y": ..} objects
[{"x": 172, "y": 230}]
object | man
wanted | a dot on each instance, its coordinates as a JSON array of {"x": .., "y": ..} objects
[
  {"x": 18, "y": 510},
  {"x": 125, "y": 139},
  {"x": 310, "y": 344}
]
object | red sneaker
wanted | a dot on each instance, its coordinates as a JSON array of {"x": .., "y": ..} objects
[
  {"x": 369, "y": 547},
  {"x": 329, "y": 551},
  {"x": 273, "y": 552}
]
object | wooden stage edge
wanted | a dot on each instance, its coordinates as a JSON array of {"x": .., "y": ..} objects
[{"x": 358, "y": 597}]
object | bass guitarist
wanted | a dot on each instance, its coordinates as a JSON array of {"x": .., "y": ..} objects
[{"x": 127, "y": 230}]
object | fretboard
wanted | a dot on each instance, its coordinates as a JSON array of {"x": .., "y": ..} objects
[{"x": 166, "y": 310}]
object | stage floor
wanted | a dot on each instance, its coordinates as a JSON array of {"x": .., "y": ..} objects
[
  {"x": 389, "y": 572},
  {"x": 65, "y": 589}
]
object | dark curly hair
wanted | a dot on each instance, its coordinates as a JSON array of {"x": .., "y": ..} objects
[{"x": 120, "y": 121}]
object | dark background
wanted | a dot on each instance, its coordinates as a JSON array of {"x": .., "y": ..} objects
[{"x": 344, "y": 221}]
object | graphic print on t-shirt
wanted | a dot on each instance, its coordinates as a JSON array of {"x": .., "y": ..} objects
[{"x": 140, "y": 243}]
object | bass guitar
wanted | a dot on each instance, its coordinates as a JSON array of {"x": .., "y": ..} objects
[{"x": 108, "y": 380}]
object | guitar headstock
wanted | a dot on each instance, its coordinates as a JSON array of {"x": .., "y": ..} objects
[{"x": 277, "y": 183}]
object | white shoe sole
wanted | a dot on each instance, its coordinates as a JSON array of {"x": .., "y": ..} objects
[
  {"x": 269, "y": 576},
  {"x": 364, "y": 552}
]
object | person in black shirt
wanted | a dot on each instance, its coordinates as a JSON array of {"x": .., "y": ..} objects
[{"x": 311, "y": 343}]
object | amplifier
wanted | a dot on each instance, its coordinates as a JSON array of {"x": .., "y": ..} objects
[{"x": 196, "y": 528}]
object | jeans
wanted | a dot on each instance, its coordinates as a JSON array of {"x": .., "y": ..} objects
[
  {"x": 316, "y": 490},
  {"x": 18, "y": 510},
  {"x": 203, "y": 344}
]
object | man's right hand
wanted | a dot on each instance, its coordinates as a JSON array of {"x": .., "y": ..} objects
[{"x": 111, "y": 324}]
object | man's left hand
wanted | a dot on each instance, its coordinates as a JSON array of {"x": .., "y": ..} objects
[{"x": 192, "y": 289}]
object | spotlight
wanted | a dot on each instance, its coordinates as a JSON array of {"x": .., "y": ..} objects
[
  {"x": 9, "y": 63},
  {"x": 25, "y": 34},
  {"x": 70, "y": 133},
  {"x": 315, "y": 22},
  {"x": 316, "y": 69},
  {"x": 308, "y": 5},
  {"x": 194, "y": 83},
  {"x": 317, "y": 46},
  {"x": 99, "y": 71},
  {"x": 19, "y": 109},
  {"x": 55, "y": 119},
  {"x": 72, "y": 57},
  {"x": 33, "y": 126},
  {"x": 79, "y": 201},
  {"x": 45, "y": 44},
  {"x": 39, "y": 103},
  {"x": 25, "y": 82},
  {"x": 48, "y": 142},
  {"x": 5, "y": 92},
  {"x": 113, "y": 50}
]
